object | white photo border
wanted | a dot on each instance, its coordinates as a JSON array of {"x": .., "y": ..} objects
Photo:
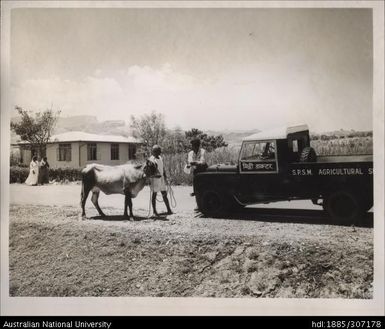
[{"x": 87, "y": 306}]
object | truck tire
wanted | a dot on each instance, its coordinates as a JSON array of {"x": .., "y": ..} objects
[
  {"x": 234, "y": 205},
  {"x": 368, "y": 205},
  {"x": 308, "y": 155},
  {"x": 212, "y": 203},
  {"x": 367, "y": 201},
  {"x": 344, "y": 207}
]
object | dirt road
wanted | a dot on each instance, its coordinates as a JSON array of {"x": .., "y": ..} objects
[
  {"x": 69, "y": 195},
  {"x": 255, "y": 253}
]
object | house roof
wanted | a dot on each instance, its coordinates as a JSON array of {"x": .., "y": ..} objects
[
  {"x": 79, "y": 136},
  {"x": 277, "y": 133}
]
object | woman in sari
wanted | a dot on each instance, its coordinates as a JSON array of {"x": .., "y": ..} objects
[
  {"x": 43, "y": 171},
  {"x": 32, "y": 178}
]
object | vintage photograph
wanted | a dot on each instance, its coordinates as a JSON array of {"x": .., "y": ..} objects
[{"x": 174, "y": 151}]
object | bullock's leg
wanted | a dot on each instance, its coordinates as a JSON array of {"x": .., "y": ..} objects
[
  {"x": 128, "y": 202},
  {"x": 94, "y": 199},
  {"x": 83, "y": 198},
  {"x": 125, "y": 215}
]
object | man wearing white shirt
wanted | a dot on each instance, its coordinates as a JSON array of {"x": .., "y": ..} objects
[
  {"x": 158, "y": 184},
  {"x": 196, "y": 159}
]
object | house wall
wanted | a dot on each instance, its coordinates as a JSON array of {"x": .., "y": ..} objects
[
  {"x": 52, "y": 150},
  {"x": 25, "y": 156},
  {"x": 104, "y": 154},
  {"x": 79, "y": 155}
]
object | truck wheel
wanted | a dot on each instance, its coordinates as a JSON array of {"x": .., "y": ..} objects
[
  {"x": 368, "y": 205},
  {"x": 367, "y": 202},
  {"x": 308, "y": 155},
  {"x": 343, "y": 206},
  {"x": 233, "y": 204},
  {"x": 212, "y": 203}
]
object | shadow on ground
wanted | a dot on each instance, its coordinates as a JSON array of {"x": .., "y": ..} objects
[
  {"x": 299, "y": 216},
  {"x": 161, "y": 217}
]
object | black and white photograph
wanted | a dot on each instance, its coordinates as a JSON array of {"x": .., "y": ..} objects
[{"x": 192, "y": 157}]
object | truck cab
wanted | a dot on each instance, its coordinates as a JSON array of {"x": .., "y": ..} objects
[
  {"x": 280, "y": 165},
  {"x": 263, "y": 162}
]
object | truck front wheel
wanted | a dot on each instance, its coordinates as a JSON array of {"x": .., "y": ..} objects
[
  {"x": 211, "y": 203},
  {"x": 343, "y": 206}
]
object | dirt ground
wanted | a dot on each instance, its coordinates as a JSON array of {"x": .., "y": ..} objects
[{"x": 255, "y": 253}]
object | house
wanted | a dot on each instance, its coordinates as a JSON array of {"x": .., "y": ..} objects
[{"x": 75, "y": 149}]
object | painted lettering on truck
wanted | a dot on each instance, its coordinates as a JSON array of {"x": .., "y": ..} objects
[
  {"x": 301, "y": 172},
  {"x": 331, "y": 171},
  {"x": 340, "y": 171}
]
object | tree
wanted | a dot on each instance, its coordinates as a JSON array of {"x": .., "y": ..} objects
[
  {"x": 35, "y": 129},
  {"x": 175, "y": 142},
  {"x": 150, "y": 128},
  {"x": 209, "y": 142}
]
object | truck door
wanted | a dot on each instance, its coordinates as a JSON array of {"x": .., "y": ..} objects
[{"x": 259, "y": 174}]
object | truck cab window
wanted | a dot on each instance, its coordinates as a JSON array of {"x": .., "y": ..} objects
[
  {"x": 258, "y": 151},
  {"x": 295, "y": 146}
]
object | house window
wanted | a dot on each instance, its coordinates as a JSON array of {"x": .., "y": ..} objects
[
  {"x": 131, "y": 151},
  {"x": 64, "y": 152},
  {"x": 91, "y": 152},
  {"x": 114, "y": 151}
]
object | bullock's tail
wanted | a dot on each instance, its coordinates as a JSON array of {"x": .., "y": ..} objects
[{"x": 88, "y": 182}]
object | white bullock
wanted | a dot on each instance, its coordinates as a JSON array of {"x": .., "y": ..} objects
[{"x": 128, "y": 179}]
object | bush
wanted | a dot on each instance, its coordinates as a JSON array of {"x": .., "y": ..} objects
[
  {"x": 19, "y": 174},
  {"x": 14, "y": 159},
  {"x": 65, "y": 174},
  {"x": 174, "y": 163},
  {"x": 343, "y": 146}
]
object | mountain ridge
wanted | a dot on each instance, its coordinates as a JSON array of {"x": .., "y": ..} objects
[{"x": 90, "y": 124}]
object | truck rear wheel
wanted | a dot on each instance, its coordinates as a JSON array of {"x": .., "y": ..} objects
[
  {"x": 368, "y": 205},
  {"x": 343, "y": 206},
  {"x": 212, "y": 203},
  {"x": 367, "y": 202}
]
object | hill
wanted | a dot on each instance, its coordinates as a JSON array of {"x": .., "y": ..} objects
[
  {"x": 232, "y": 137},
  {"x": 90, "y": 124}
]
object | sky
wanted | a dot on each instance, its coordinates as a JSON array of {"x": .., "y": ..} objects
[{"x": 213, "y": 69}]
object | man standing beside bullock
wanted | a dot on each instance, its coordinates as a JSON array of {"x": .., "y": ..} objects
[{"x": 158, "y": 184}]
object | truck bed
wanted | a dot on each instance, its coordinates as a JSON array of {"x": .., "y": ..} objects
[{"x": 345, "y": 158}]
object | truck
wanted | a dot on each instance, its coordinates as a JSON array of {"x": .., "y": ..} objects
[{"x": 281, "y": 165}]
